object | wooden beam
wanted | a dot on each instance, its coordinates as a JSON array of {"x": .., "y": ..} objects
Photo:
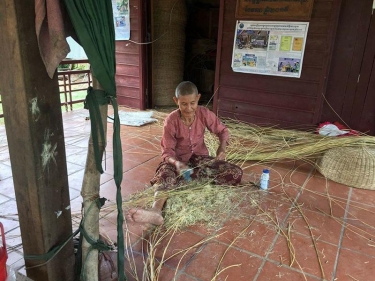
[{"x": 33, "y": 121}]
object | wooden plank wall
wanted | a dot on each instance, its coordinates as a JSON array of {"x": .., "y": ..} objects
[
  {"x": 350, "y": 95},
  {"x": 130, "y": 69},
  {"x": 263, "y": 99}
]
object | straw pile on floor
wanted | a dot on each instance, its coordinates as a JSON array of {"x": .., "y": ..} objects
[{"x": 197, "y": 202}]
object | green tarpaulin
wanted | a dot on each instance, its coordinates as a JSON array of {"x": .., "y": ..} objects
[{"x": 93, "y": 24}]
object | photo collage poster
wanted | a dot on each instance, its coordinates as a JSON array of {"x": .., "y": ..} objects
[
  {"x": 121, "y": 18},
  {"x": 269, "y": 48}
]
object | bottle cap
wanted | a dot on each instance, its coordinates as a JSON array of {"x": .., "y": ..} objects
[{"x": 266, "y": 171}]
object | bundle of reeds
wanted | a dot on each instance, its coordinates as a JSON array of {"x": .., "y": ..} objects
[{"x": 252, "y": 142}]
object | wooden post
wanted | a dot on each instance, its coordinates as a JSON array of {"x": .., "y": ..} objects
[
  {"x": 33, "y": 121},
  {"x": 90, "y": 192}
]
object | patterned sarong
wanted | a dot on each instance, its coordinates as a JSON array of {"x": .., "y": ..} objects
[{"x": 204, "y": 167}]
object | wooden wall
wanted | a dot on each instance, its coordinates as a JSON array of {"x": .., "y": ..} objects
[
  {"x": 130, "y": 60},
  {"x": 350, "y": 91},
  {"x": 263, "y": 99}
]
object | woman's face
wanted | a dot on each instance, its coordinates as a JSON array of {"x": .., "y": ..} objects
[{"x": 187, "y": 104}]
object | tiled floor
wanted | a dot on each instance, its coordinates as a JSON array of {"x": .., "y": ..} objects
[{"x": 303, "y": 228}]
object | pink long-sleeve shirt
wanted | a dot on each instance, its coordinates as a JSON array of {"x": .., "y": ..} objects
[{"x": 181, "y": 141}]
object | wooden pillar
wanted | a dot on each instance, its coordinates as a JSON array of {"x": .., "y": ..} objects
[{"x": 34, "y": 129}]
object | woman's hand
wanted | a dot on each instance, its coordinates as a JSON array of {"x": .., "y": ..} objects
[
  {"x": 180, "y": 166},
  {"x": 220, "y": 153}
]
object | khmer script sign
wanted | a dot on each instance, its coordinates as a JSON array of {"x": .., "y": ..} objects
[
  {"x": 269, "y": 47},
  {"x": 274, "y": 9}
]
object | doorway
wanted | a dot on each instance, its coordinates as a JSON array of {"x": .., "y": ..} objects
[
  {"x": 201, "y": 46},
  {"x": 182, "y": 53}
]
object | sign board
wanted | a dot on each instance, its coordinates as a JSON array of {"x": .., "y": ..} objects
[
  {"x": 269, "y": 48},
  {"x": 274, "y": 9},
  {"x": 121, "y": 19}
]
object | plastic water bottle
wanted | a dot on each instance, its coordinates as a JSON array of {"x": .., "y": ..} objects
[{"x": 264, "y": 178}]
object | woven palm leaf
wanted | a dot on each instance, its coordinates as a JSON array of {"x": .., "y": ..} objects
[{"x": 352, "y": 166}]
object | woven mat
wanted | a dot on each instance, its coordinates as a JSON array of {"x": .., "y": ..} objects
[{"x": 134, "y": 118}]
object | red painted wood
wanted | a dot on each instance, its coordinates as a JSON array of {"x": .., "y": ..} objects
[
  {"x": 274, "y": 113},
  {"x": 356, "y": 63},
  {"x": 362, "y": 115},
  {"x": 127, "y": 47},
  {"x": 322, "y": 9},
  {"x": 275, "y": 99},
  {"x": 341, "y": 62},
  {"x": 130, "y": 59},
  {"x": 278, "y": 100},
  {"x": 348, "y": 98},
  {"x": 218, "y": 56},
  {"x": 131, "y": 70},
  {"x": 265, "y": 83},
  {"x": 129, "y": 81},
  {"x": 125, "y": 91},
  {"x": 129, "y": 101},
  {"x": 367, "y": 121},
  {"x": 266, "y": 121}
]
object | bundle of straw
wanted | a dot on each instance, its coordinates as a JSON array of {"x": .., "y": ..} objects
[{"x": 251, "y": 142}]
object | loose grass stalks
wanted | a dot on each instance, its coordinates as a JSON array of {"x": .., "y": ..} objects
[
  {"x": 337, "y": 201},
  {"x": 292, "y": 251},
  {"x": 129, "y": 254},
  {"x": 297, "y": 206},
  {"x": 344, "y": 224},
  {"x": 152, "y": 269},
  {"x": 217, "y": 272},
  {"x": 225, "y": 268}
]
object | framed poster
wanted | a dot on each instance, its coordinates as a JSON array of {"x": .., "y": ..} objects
[
  {"x": 269, "y": 48},
  {"x": 121, "y": 19},
  {"x": 274, "y": 9}
]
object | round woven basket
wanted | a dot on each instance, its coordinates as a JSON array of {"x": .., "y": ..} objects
[
  {"x": 168, "y": 50},
  {"x": 352, "y": 166}
]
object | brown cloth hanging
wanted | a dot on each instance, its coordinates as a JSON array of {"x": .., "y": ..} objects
[{"x": 51, "y": 30}]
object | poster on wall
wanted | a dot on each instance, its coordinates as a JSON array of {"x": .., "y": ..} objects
[
  {"x": 269, "y": 48},
  {"x": 121, "y": 18}
]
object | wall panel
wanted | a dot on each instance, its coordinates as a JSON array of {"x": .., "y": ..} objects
[
  {"x": 271, "y": 99},
  {"x": 131, "y": 70}
]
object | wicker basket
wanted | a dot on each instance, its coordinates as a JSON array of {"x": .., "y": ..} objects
[{"x": 352, "y": 166}]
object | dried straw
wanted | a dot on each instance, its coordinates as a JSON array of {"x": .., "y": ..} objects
[
  {"x": 252, "y": 142},
  {"x": 198, "y": 201}
]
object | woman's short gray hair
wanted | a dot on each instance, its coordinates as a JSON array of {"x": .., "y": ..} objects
[{"x": 186, "y": 88}]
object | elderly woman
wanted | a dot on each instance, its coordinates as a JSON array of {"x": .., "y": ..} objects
[{"x": 184, "y": 153}]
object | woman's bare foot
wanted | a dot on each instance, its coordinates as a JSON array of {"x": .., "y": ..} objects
[{"x": 152, "y": 216}]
